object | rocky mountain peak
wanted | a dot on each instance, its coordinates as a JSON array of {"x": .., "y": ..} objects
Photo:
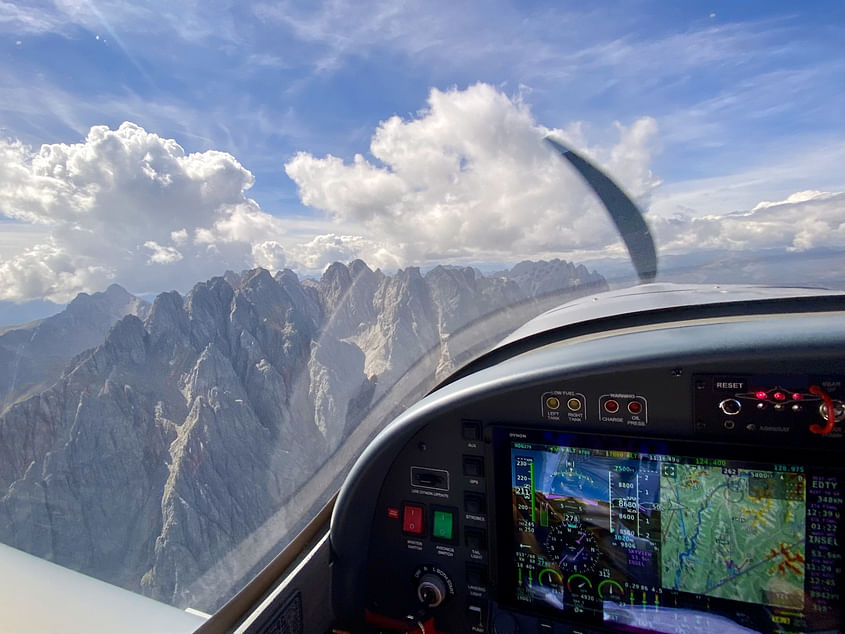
[
  {"x": 164, "y": 447},
  {"x": 126, "y": 342},
  {"x": 305, "y": 298},
  {"x": 358, "y": 268},
  {"x": 32, "y": 356},
  {"x": 167, "y": 322},
  {"x": 336, "y": 279},
  {"x": 549, "y": 277},
  {"x": 208, "y": 305}
]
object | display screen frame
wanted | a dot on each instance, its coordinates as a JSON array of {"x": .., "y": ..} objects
[{"x": 754, "y": 615}]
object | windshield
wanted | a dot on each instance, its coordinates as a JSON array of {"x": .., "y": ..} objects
[{"x": 236, "y": 239}]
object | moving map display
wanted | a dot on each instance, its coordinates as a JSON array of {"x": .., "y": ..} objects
[
  {"x": 612, "y": 534},
  {"x": 734, "y": 533}
]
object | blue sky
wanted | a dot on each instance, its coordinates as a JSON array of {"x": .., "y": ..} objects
[
  {"x": 738, "y": 103},
  {"x": 261, "y": 85}
]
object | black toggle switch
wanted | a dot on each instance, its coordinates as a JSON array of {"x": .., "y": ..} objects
[
  {"x": 471, "y": 430},
  {"x": 475, "y": 539},
  {"x": 475, "y": 503},
  {"x": 474, "y": 466}
]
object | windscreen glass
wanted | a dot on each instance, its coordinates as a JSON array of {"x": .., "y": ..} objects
[
  {"x": 631, "y": 535},
  {"x": 238, "y": 238}
]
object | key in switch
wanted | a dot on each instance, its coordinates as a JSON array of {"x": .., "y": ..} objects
[{"x": 412, "y": 519}]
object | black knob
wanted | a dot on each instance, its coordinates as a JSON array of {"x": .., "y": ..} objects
[{"x": 431, "y": 590}]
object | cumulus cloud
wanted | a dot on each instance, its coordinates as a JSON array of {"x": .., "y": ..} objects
[
  {"x": 470, "y": 177},
  {"x": 324, "y": 249},
  {"x": 466, "y": 178},
  {"x": 797, "y": 197},
  {"x": 162, "y": 255},
  {"x": 805, "y": 220},
  {"x": 129, "y": 206},
  {"x": 269, "y": 255}
]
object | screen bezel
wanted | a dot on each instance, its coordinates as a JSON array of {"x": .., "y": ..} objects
[{"x": 502, "y": 435}]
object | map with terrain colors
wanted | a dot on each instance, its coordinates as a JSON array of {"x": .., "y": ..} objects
[{"x": 733, "y": 533}]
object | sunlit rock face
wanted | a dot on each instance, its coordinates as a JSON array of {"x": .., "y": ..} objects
[{"x": 187, "y": 429}]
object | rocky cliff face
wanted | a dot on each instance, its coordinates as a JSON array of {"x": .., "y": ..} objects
[
  {"x": 34, "y": 354},
  {"x": 183, "y": 436}
]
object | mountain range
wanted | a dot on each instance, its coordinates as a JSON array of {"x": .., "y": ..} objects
[{"x": 173, "y": 448}]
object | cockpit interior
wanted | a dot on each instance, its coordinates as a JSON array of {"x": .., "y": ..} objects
[
  {"x": 664, "y": 458},
  {"x": 344, "y": 317}
]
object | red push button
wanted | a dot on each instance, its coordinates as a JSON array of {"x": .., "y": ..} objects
[{"x": 412, "y": 519}]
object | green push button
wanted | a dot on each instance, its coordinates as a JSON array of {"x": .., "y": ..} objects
[{"x": 443, "y": 521}]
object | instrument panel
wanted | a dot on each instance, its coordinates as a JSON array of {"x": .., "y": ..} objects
[
  {"x": 624, "y": 531},
  {"x": 680, "y": 476}
]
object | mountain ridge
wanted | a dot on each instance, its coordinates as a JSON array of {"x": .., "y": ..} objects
[
  {"x": 34, "y": 354},
  {"x": 177, "y": 438}
]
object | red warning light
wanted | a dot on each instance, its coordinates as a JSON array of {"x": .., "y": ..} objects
[
  {"x": 761, "y": 395},
  {"x": 797, "y": 396},
  {"x": 779, "y": 396}
]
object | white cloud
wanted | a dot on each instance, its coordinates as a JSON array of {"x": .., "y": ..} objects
[
  {"x": 16, "y": 237},
  {"x": 247, "y": 223},
  {"x": 805, "y": 220},
  {"x": 22, "y": 19},
  {"x": 768, "y": 176},
  {"x": 466, "y": 179},
  {"x": 269, "y": 255},
  {"x": 339, "y": 30},
  {"x": 797, "y": 197},
  {"x": 322, "y": 250},
  {"x": 470, "y": 176},
  {"x": 162, "y": 255},
  {"x": 129, "y": 206},
  {"x": 180, "y": 236}
]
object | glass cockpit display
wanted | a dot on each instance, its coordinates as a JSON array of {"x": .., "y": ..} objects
[{"x": 612, "y": 532}]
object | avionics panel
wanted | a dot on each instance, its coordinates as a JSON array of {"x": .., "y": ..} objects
[{"x": 667, "y": 535}]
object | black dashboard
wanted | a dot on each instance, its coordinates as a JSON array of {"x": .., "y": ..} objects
[{"x": 672, "y": 467}]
